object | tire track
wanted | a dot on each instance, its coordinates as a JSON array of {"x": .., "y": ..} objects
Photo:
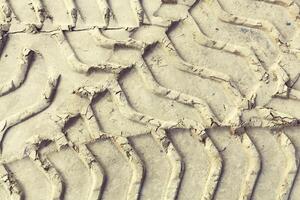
[
  {"x": 45, "y": 101},
  {"x": 216, "y": 165},
  {"x": 79, "y": 66},
  {"x": 45, "y": 166},
  {"x": 292, "y": 161},
  {"x": 254, "y": 167},
  {"x": 177, "y": 165},
  {"x": 18, "y": 79},
  {"x": 278, "y": 39},
  {"x": 10, "y": 184},
  {"x": 138, "y": 169},
  {"x": 245, "y": 115}
]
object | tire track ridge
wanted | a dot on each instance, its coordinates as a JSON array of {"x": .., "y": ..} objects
[
  {"x": 291, "y": 6},
  {"x": 161, "y": 125},
  {"x": 11, "y": 186},
  {"x": 254, "y": 168},
  {"x": 292, "y": 161},
  {"x": 277, "y": 38},
  {"x": 129, "y": 113},
  {"x": 203, "y": 72},
  {"x": 150, "y": 82},
  {"x": 18, "y": 79},
  {"x": 177, "y": 164},
  {"x": 105, "y": 11},
  {"x": 83, "y": 152},
  {"x": 95, "y": 169},
  {"x": 40, "y": 11},
  {"x": 124, "y": 107},
  {"x": 78, "y": 65},
  {"x": 263, "y": 25},
  {"x": 5, "y": 12},
  {"x": 96, "y": 134},
  {"x": 43, "y": 103},
  {"x": 199, "y": 104},
  {"x": 42, "y": 163},
  {"x": 123, "y": 145},
  {"x": 105, "y": 42},
  {"x": 138, "y": 11},
  {"x": 138, "y": 169},
  {"x": 72, "y": 11},
  {"x": 245, "y": 52},
  {"x": 216, "y": 165},
  {"x": 143, "y": 118}
]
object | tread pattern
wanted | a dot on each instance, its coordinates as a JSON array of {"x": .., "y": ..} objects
[{"x": 246, "y": 112}]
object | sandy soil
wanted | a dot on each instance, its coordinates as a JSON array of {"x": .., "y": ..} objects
[{"x": 149, "y": 99}]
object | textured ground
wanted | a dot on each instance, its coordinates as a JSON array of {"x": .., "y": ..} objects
[{"x": 149, "y": 99}]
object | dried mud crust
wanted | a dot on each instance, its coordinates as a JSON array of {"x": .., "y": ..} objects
[{"x": 149, "y": 99}]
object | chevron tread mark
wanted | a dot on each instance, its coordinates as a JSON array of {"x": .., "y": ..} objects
[{"x": 150, "y": 99}]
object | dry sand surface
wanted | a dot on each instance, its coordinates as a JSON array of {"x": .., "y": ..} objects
[{"x": 149, "y": 99}]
